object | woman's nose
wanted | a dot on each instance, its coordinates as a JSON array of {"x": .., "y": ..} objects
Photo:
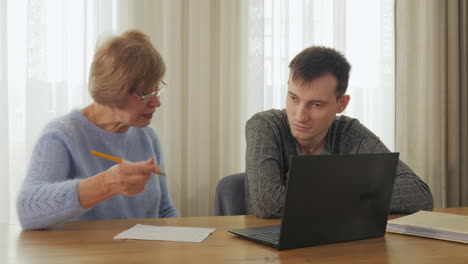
[{"x": 154, "y": 101}]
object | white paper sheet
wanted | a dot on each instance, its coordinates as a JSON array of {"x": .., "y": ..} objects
[{"x": 166, "y": 233}]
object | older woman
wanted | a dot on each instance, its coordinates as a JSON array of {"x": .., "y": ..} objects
[{"x": 65, "y": 182}]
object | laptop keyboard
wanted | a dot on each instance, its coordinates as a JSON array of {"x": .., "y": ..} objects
[
  {"x": 271, "y": 237},
  {"x": 267, "y": 235}
]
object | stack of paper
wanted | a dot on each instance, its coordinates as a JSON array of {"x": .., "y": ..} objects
[
  {"x": 433, "y": 225},
  {"x": 166, "y": 233}
]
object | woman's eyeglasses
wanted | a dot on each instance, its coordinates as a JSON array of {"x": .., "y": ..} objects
[{"x": 145, "y": 98}]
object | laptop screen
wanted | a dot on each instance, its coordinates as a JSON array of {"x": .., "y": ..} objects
[{"x": 337, "y": 198}]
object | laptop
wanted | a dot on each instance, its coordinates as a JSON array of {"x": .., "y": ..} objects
[{"x": 331, "y": 199}]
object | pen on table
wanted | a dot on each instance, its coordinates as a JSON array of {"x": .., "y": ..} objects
[{"x": 115, "y": 159}]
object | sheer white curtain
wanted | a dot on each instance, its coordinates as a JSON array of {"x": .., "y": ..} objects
[
  {"x": 363, "y": 30},
  {"x": 43, "y": 76}
]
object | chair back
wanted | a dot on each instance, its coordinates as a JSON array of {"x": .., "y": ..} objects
[{"x": 230, "y": 195}]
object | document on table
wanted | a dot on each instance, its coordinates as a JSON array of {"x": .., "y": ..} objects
[
  {"x": 166, "y": 233},
  {"x": 433, "y": 225}
]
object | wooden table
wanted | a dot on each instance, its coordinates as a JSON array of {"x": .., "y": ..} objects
[{"x": 92, "y": 242}]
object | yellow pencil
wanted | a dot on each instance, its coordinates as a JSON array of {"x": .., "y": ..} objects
[
  {"x": 115, "y": 159},
  {"x": 109, "y": 157}
]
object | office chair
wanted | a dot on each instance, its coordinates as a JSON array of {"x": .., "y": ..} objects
[{"x": 230, "y": 195}]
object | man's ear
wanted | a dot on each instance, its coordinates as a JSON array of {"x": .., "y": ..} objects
[{"x": 342, "y": 103}]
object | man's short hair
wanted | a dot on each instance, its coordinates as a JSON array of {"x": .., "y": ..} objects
[
  {"x": 316, "y": 61},
  {"x": 124, "y": 64}
]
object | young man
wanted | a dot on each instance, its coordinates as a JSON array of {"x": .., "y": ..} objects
[{"x": 317, "y": 83}]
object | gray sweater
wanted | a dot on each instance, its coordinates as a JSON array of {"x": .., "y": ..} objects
[{"x": 270, "y": 146}]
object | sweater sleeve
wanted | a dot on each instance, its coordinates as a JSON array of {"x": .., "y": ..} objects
[
  {"x": 265, "y": 189},
  {"x": 48, "y": 196},
  {"x": 166, "y": 207},
  {"x": 410, "y": 193}
]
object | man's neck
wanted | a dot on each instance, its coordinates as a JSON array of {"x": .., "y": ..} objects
[{"x": 311, "y": 147}]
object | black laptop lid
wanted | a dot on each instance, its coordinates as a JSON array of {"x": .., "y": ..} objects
[{"x": 337, "y": 198}]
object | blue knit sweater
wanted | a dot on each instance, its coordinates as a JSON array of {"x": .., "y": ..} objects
[{"x": 61, "y": 159}]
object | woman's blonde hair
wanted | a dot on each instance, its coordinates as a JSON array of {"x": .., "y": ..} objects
[{"x": 122, "y": 65}]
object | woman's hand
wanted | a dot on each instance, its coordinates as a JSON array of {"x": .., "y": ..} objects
[
  {"x": 130, "y": 178},
  {"x": 125, "y": 179}
]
